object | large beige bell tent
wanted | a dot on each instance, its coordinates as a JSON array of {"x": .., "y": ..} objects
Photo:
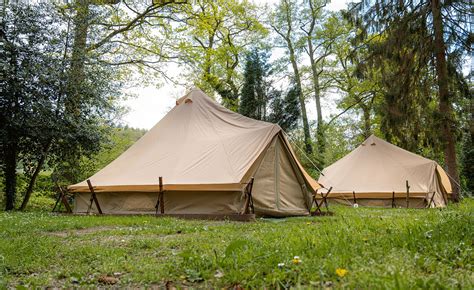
[
  {"x": 206, "y": 156},
  {"x": 377, "y": 174}
]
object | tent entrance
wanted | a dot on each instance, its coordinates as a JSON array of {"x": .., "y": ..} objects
[{"x": 278, "y": 188}]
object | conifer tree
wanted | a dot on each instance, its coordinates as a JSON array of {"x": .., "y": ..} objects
[
  {"x": 253, "y": 100},
  {"x": 418, "y": 38},
  {"x": 285, "y": 111}
]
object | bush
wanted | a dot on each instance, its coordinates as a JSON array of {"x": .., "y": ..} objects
[{"x": 42, "y": 198}]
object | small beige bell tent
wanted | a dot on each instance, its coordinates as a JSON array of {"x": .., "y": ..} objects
[
  {"x": 377, "y": 174},
  {"x": 206, "y": 156}
]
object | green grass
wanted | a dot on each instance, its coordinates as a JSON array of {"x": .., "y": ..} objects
[{"x": 380, "y": 248}]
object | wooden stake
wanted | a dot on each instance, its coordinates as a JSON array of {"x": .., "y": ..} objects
[
  {"x": 318, "y": 205},
  {"x": 445, "y": 197},
  {"x": 318, "y": 210},
  {"x": 393, "y": 199},
  {"x": 160, "y": 202},
  {"x": 248, "y": 205},
  {"x": 57, "y": 201},
  {"x": 93, "y": 198},
  {"x": 408, "y": 194},
  {"x": 325, "y": 199},
  {"x": 64, "y": 199},
  {"x": 162, "y": 197},
  {"x": 314, "y": 199},
  {"x": 354, "y": 197},
  {"x": 251, "y": 208},
  {"x": 431, "y": 200}
]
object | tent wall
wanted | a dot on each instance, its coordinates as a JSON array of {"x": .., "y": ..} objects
[
  {"x": 384, "y": 199},
  {"x": 277, "y": 190},
  {"x": 206, "y": 155},
  {"x": 372, "y": 202},
  {"x": 201, "y": 202},
  {"x": 117, "y": 202},
  {"x": 376, "y": 169},
  {"x": 175, "y": 202}
]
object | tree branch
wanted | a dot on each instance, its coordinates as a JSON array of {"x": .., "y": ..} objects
[{"x": 131, "y": 24}]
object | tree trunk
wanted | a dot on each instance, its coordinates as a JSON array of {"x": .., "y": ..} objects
[
  {"x": 317, "y": 97},
  {"x": 307, "y": 135},
  {"x": 11, "y": 153},
  {"x": 445, "y": 108},
  {"x": 320, "y": 140},
  {"x": 287, "y": 37},
  {"x": 367, "y": 122},
  {"x": 33, "y": 178},
  {"x": 76, "y": 72}
]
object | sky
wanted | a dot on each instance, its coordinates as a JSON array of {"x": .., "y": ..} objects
[{"x": 149, "y": 103}]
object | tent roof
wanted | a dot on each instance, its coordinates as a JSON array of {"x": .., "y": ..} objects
[
  {"x": 377, "y": 166},
  {"x": 198, "y": 145}
]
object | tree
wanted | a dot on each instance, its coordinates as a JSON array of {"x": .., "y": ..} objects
[
  {"x": 445, "y": 105},
  {"x": 283, "y": 22},
  {"x": 435, "y": 28},
  {"x": 348, "y": 72},
  {"x": 253, "y": 99},
  {"x": 22, "y": 37},
  {"x": 117, "y": 140},
  {"x": 105, "y": 29},
  {"x": 36, "y": 124},
  {"x": 102, "y": 33},
  {"x": 318, "y": 48},
  {"x": 213, "y": 35},
  {"x": 285, "y": 111}
]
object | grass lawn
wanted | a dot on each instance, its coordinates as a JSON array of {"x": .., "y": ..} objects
[{"x": 355, "y": 248}]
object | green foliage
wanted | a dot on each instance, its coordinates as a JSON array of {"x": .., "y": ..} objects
[
  {"x": 342, "y": 137},
  {"x": 260, "y": 101},
  {"x": 357, "y": 82},
  {"x": 406, "y": 94},
  {"x": 117, "y": 140},
  {"x": 254, "y": 93},
  {"x": 310, "y": 162},
  {"x": 43, "y": 196},
  {"x": 420, "y": 50},
  {"x": 212, "y": 39},
  {"x": 285, "y": 111},
  {"x": 379, "y": 248},
  {"x": 284, "y": 20},
  {"x": 44, "y": 119},
  {"x": 467, "y": 164}
]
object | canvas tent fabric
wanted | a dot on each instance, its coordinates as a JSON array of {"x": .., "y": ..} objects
[
  {"x": 377, "y": 171},
  {"x": 206, "y": 155}
]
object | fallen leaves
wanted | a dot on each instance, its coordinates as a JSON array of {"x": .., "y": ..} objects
[{"x": 107, "y": 280}]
